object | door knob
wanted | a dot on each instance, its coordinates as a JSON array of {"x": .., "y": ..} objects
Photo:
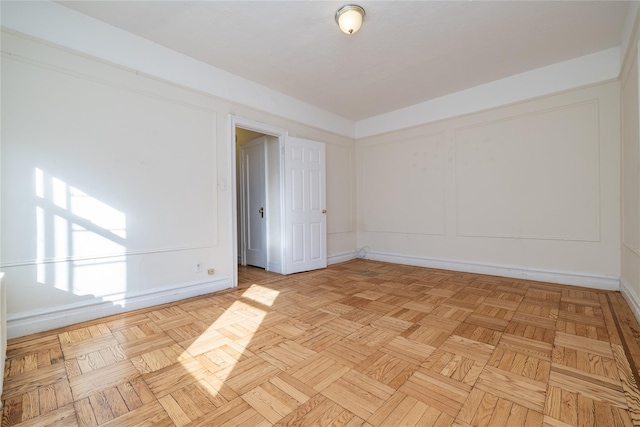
[{"x": 261, "y": 212}]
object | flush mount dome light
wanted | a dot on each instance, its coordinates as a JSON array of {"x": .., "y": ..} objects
[{"x": 349, "y": 18}]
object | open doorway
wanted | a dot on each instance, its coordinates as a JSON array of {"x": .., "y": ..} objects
[
  {"x": 256, "y": 224},
  {"x": 258, "y": 195},
  {"x": 252, "y": 182},
  {"x": 293, "y": 213}
]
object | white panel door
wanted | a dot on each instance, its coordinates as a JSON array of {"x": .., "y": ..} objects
[
  {"x": 305, "y": 203},
  {"x": 253, "y": 174}
]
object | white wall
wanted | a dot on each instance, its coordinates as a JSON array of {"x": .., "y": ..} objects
[
  {"x": 630, "y": 159},
  {"x": 341, "y": 205},
  {"x": 48, "y": 20},
  {"x": 112, "y": 187},
  {"x": 106, "y": 135},
  {"x": 109, "y": 182},
  {"x": 528, "y": 190},
  {"x": 274, "y": 230}
]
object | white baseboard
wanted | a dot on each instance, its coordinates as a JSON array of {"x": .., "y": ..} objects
[
  {"x": 33, "y": 321},
  {"x": 611, "y": 283},
  {"x": 275, "y": 267},
  {"x": 632, "y": 299},
  {"x": 342, "y": 257},
  {"x": 3, "y": 327}
]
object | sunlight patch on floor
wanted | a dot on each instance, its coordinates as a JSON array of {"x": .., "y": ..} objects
[
  {"x": 262, "y": 295},
  {"x": 241, "y": 315}
]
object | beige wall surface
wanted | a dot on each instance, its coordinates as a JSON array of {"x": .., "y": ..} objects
[
  {"x": 533, "y": 186},
  {"x": 630, "y": 201},
  {"x": 117, "y": 184}
]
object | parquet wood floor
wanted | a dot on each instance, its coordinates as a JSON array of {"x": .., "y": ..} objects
[{"x": 361, "y": 343}]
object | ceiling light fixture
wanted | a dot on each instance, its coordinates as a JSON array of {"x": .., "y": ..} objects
[{"x": 349, "y": 18}]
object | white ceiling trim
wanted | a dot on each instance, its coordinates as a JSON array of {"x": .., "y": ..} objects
[
  {"x": 589, "y": 69},
  {"x": 66, "y": 27},
  {"x": 629, "y": 32},
  {"x": 63, "y": 26}
]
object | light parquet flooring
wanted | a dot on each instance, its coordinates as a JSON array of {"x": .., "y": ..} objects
[{"x": 361, "y": 343}]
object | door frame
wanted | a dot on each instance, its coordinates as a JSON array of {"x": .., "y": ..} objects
[
  {"x": 256, "y": 126},
  {"x": 244, "y": 213}
]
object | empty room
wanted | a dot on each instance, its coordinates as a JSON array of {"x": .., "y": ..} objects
[{"x": 382, "y": 213}]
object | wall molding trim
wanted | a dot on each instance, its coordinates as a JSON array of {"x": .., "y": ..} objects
[
  {"x": 630, "y": 297},
  {"x": 75, "y": 258},
  {"x": 631, "y": 248},
  {"x": 59, "y": 25},
  {"x": 592, "y": 111},
  {"x": 341, "y": 257},
  {"x": 34, "y": 321},
  {"x": 56, "y": 24},
  {"x": 594, "y": 68},
  {"x": 628, "y": 46},
  {"x": 610, "y": 283}
]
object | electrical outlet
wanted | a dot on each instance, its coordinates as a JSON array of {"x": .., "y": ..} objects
[
  {"x": 198, "y": 267},
  {"x": 211, "y": 271}
]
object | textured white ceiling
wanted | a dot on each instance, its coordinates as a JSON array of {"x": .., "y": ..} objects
[{"x": 406, "y": 52}]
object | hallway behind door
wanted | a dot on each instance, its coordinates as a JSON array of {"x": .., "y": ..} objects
[{"x": 253, "y": 189}]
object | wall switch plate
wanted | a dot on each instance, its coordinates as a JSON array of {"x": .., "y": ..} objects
[
  {"x": 198, "y": 267},
  {"x": 211, "y": 271}
]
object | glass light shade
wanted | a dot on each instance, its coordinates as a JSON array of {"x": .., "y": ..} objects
[{"x": 350, "y": 18}]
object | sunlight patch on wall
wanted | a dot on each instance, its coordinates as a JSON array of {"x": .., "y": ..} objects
[
  {"x": 40, "y": 252},
  {"x": 102, "y": 215},
  {"x": 80, "y": 244}
]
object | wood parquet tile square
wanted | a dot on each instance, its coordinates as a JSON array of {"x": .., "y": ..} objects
[
  {"x": 478, "y": 333},
  {"x": 319, "y": 411},
  {"x": 358, "y": 393},
  {"x": 441, "y": 392},
  {"x": 361, "y": 343},
  {"x": 387, "y": 369}
]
